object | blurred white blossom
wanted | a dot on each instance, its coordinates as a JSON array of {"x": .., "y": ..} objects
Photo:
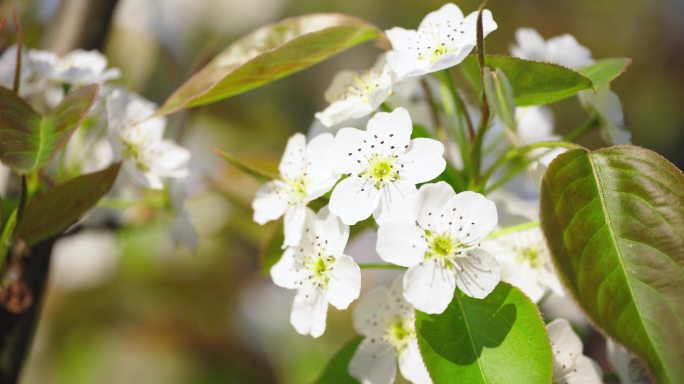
[{"x": 570, "y": 366}]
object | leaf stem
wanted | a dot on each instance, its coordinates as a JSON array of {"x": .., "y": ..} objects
[
  {"x": 513, "y": 229},
  {"x": 591, "y": 123}
]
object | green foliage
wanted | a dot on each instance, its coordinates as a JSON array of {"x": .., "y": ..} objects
[
  {"x": 499, "y": 339},
  {"x": 268, "y": 54},
  {"x": 613, "y": 219},
  {"x": 27, "y": 140},
  {"x": 337, "y": 371},
  {"x": 500, "y": 96},
  {"x": 536, "y": 83},
  {"x": 257, "y": 173},
  {"x": 51, "y": 212},
  {"x": 606, "y": 70}
]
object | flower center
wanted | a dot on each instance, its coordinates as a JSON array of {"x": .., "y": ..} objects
[
  {"x": 298, "y": 189},
  {"x": 381, "y": 170},
  {"x": 530, "y": 255},
  {"x": 136, "y": 148},
  {"x": 398, "y": 334},
  {"x": 319, "y": 268},
  {"x": 443, "y": 247}
]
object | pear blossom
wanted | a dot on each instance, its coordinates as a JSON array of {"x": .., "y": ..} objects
[
  {"x": 443, "y": 39},
  {"x": 565, "y": 50},
  {"x": 320, "y": 272},
  {"x": 525, "y": 262},
  {"x": 137, "y": 138},
  {"x": 384, "y": 165},
  {"x": 76, "y": 68},
  {"x": 353, "y": 95},
  {"x": 305, "y": 175},
  {"x": 387, "y": 322},
  {"x": 439, "y": 244},
  {"x": 570, "y": 366}
]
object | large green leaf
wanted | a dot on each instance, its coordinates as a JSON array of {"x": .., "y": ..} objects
[
  {"x": 614, "y": 220},
  {"x": 53, "y": 211},
  {"x": 499, "y": 339},
  {"x": 27, "y": 140},
  {"x": 606, "y": 70},
  {"x": 337, "y": 370},
  {"x": 268, "y": 54},
  {"x": 536, "y": 83}
]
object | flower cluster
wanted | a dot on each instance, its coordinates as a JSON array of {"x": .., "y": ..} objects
[{"x": 448, "y": 236}]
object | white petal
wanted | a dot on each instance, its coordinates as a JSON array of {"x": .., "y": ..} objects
[
  {"x": 585, "y": 371},
  {"x": 309, "y": 312},
  {"x": 143, "y": 179},
  {"x": 447, "y": 13},
  {"x": 534, "y": 124},
  {"x": 294, "y": 223},
  {"x": 353, "y": 200},
  {"x": 349, "y": 153},
  {"x": 373, "y": 311},
  {"x": 171, "y": 160},
  {"x": 269, "y": 204},
  {"x": 566, "y": 51},
  {"x": 320, "y": 172},
  {"x": 423, "y": 160},
  {"x": 469, "y": 38},
  {"x": 397, "y": 200},
  {"x": 452, "y": 59},
  {"x": 293, "y": 163},
  {"x": 429, "y": 287},
  {"x": 432, "y": 198},
  {"x": 343, "y": 110},
  {"x": 286, "y": 272},
  {"x": 374, "y": 362},
  {"x": 331, "y": 231},
  {"x": 480, "y": 273},
  {"x": 531, "y": 45},
  {"x": 339, "y": 85},
  {"x": 401, "y": 243},
  {"x": 398, "y": 122},
  {"x": 474, "y": 216},
  {"x": 566, "y": 346},
  {"x": 345, "y": 282},
  {"x": 411, "y": 364}
]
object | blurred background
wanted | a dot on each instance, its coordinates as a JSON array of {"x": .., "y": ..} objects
[{"x": 128, "y": 307}]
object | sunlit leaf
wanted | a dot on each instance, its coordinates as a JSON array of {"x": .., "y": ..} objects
[
  {"x": 51, "y": 212},
  {"x": 337, "y": 370},
  {"x": 606, "y": 70},
  {"x": 268, "y": 54},
  {"x": 27, "y": 140},
  {"x": 499, "y": 339},
  {"x": 536, "y": 83},
  {"x": 614, "y": 220}
]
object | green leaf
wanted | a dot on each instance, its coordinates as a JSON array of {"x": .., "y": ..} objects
[
  {"x": 257, "y": 173},
  {"x": 27, "y": 140},
  {"x": 500, "y": 96},
  {"x": 470, "y": 70},
  {"x": 499, "y": 339},
  {"x": 337, "y": 372},
  {"x": 53, "y": 211},
  {"x": 536, "y": 83},
  {"x": 606, "y": 70},
  {"x": 614, "y": 221},
  {"x": 268, "y": 54}
]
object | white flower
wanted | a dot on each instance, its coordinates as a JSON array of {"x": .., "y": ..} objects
[
  {"x": 137, "y": 138},
  {"x": 320, "y": 272},
  {"x": 525, "y": 262},
  {"x": 384, "y": 166},
  {"x": 570, "y": 366},
  {"x": 606, "y": 104},
  {"x": 353, "y": 95},
  {"x": 305, "y": 175},
  {"x": 386, "y": 320},
  {"x": 75, "y": 68},
  {"x": 443, "y": 39},
  {"x": 440, "y": 247},
  {"x": 628, "y": 367},
  {"x": 563, "y": 50},
  {"x": 536, "y": 124}
]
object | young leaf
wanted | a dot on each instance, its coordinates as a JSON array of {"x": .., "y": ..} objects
[
  {"x": 258, "y": 174},
  {"x": 500, "y": 96},
  {"x": 499, "y": 339},
  {"x": 536, "y": 83},
  {"x": 27, "y": 140},
  {"x": 53, "y": 211},
  {"x": 606, "y": 70},
  {"x": 268, "y": 54},
  {"x": 613, "y": 219},
  {"x": 337, "y": 370}
]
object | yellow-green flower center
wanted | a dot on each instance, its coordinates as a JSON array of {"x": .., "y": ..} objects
[
  {"x": 320, "y": 268},
  {"x": 298, "y": 189},
  {"x": 381, "y": 170},
  {"x": 443, "y": 247},
  {"x": 530, "y": 255},
  {"x": 398, "y": 334}
]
